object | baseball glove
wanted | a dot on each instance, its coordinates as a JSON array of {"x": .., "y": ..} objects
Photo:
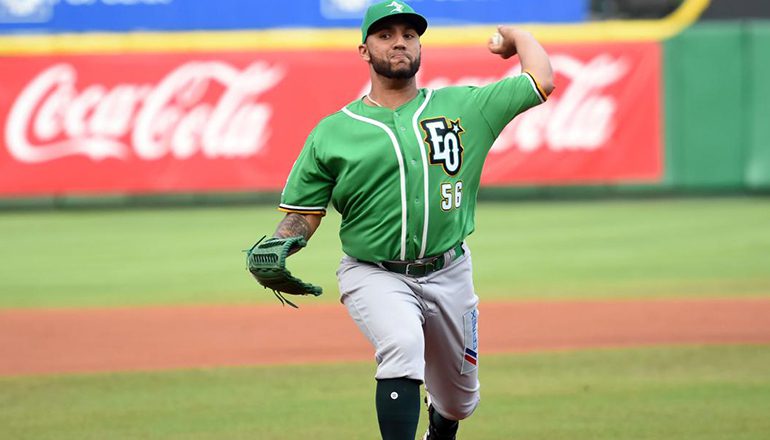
[{"x": 267, "y": 263}]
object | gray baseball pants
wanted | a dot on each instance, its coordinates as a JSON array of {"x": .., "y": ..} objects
[{"x": 422, "y": 328}]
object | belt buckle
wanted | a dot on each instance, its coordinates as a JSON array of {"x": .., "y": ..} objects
[
  {"x": 408, "y": 266},
  {"x": 426, "y": 268}
]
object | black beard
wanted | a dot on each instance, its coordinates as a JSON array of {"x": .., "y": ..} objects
[{"x": 382, "y": 67}]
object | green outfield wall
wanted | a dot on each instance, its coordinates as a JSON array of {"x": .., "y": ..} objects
[
  {"x": 717, "y": 107},
  {"x": 758, "y": 54}
]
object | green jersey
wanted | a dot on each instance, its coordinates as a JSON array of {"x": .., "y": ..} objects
[{"x": 405, "y": 180}]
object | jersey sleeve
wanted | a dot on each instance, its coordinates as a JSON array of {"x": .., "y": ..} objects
[
  {"x": 309, "y": 186},
  {"x": 501, "y": 101}
]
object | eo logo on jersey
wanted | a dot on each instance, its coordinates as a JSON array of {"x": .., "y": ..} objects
[{"x": 446, "y": 148}]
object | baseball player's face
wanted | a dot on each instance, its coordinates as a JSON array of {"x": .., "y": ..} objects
[{"x": 393, "y": 50}]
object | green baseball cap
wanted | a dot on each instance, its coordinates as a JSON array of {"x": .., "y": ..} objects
[{"x": 391, "y": 8}]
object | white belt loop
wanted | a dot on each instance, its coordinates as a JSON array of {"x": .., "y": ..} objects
[{"x": 449, "y": 256}]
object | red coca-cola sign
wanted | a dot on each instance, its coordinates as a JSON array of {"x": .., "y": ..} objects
[
  {"x": 141, "y": 123},
  {"x": 602, "y": 124}
]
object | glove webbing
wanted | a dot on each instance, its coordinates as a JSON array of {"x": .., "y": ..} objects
[{"x": 270, "y": 259}]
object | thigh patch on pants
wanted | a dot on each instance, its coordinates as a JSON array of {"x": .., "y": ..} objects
[{"x": 471, "y": 341}]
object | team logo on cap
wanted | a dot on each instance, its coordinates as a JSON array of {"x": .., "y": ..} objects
[
  {"x": 397, "y": 7},
  {"x": 443, "y": 138}
]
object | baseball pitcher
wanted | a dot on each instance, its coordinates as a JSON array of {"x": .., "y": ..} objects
[{"x": 402, "y": 165}]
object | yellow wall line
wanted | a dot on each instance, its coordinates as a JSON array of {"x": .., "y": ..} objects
[{"x": 308, "y": 39}]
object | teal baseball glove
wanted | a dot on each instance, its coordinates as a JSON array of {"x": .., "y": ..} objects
[{"x": 266, "y": 261}]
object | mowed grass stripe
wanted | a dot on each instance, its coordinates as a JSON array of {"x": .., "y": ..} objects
[
  {"x": 589, "y": 249},
  {"x": 698, "y": 393}
]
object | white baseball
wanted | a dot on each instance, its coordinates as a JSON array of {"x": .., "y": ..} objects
[{"x": 497, "y": 39}]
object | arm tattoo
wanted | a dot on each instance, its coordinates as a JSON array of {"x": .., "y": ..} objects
[{"x": 293, "y": 225}]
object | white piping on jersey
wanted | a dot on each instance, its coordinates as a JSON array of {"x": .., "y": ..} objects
[
  {"x": 400, "y": 158},
  {"x": 303, "y": 208},
  {"x": 534, "y": 87},
  {"x": 425, "y": 172}
]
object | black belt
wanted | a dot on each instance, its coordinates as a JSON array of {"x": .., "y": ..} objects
[{"x": 425, "y": 266}]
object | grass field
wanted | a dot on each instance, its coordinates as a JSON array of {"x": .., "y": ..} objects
[
  {"x": 698, "y": 393},
  {"x": 522, "y": 250},
  {"x": 611, "y": 249}
]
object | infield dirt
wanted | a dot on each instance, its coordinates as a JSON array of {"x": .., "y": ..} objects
[{"x": 51, "y": 341}]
